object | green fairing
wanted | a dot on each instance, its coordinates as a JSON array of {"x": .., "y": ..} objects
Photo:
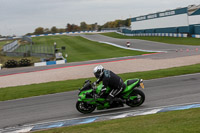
[
  {"x": 99, "y": 87},
  {"x": 133, "y": 97},
  {"x": 129, "y": 89},
  {"x": 100, "y": 99},
  {"x": 82, "y": 96}
]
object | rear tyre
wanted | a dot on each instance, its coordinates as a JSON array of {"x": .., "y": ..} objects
[
  {"x": 136, "y": 101},
  {"x": 84, "y": 107}
]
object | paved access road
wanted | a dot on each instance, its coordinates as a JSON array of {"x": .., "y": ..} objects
[
  {"x": 139, "y": 44},
  {"x": 159, "y": 92}
]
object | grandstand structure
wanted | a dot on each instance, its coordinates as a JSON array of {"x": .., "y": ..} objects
[{"x": 180, "y": 20}]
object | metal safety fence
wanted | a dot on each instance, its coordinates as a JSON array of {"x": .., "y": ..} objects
[
  {"x": 10, "y": 46},
  {"x": 28, "y": 39},
  {"x": 33, "y": 50}
]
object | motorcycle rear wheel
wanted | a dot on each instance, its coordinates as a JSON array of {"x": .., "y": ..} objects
[
  {"x": 136, "y": 101},
  {"x": 84, "y": 107}
]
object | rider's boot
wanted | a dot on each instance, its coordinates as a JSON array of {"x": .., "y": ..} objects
[{"x": 110, "y": 99}]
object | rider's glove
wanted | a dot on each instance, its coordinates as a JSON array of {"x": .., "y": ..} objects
[{"x": 94, "y": 83}]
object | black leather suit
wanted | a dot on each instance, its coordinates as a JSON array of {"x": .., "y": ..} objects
[{"x": 113, "y": 81}]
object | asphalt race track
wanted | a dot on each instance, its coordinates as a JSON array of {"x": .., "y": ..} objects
[{"x": 159, "y": 92}]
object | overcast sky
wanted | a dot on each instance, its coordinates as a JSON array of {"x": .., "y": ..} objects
[{"x": 24, "y": 16}]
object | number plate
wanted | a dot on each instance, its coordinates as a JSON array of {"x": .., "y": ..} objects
[{"x": 142, "y": 85}]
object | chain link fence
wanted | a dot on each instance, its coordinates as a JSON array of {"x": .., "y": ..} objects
[
  {"x": 10, "y": 46},
  {"x": 28, "y": 39},
  {"x": 14, "y": 49}
]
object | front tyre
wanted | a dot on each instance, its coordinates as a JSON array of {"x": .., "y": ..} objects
[
  {"x": 140, "y": 98},
  {"x": 84, "y": 107}
]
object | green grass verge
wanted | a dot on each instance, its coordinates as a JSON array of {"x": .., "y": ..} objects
[
  {"x": 3, "y": 43},
  {"x": 81, "y": 49},
  {"x": 69, "y": 85},
  {"x": 184, "y": 121},
  {"x": 169, "y": 40}
]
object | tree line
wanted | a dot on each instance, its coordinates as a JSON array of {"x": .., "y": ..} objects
[
  {"x": 82, "y": 27},
  {"x": 1, "y": 36}
]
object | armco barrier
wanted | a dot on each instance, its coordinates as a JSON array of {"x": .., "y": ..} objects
[
  {"x": 196, "y": 36},
  {"x": 50, "y": 63},
  {"x": 11, "y": 46},
  {"x": 64, "y": 33},
  {"x": 155, "y": 34}
]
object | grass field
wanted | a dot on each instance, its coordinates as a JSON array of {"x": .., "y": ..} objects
[
  {"x": 69, "y": 85},
  {"x": 170, "y": 40},
  {"x": 77, "y": 48},
  {"x": 81, "y": 49},
  {"x": 3, "y": 43},
  {"x": 184, "y": 121}
]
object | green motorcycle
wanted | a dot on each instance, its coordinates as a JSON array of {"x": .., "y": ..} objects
[{"x": 89, "y": 100}]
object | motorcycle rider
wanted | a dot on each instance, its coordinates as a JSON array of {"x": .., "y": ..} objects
[{"x": 109, "y": 79}]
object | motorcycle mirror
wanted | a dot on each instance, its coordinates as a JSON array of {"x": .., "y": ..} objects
[{"x": 87, "y": 81}]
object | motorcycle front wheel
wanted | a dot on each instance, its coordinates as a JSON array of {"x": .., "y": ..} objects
[
  {"x": 140, "y": 97},
  {"x": 84, "y": 107}
]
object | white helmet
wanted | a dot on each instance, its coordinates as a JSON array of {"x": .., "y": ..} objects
[{"x": 98, "y": 71}]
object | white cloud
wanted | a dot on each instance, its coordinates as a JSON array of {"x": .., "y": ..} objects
[{"x": 23, "y": 16}]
